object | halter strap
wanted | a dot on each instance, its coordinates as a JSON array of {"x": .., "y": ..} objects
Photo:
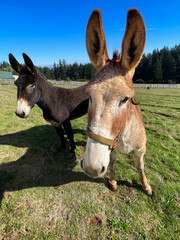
[
  {"x": 134, "y": 102},
  {"x": 109, "y": 142}
]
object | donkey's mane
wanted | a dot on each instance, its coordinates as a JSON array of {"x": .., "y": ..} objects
[
  {"x": 116, "y": 55},
  {"x": 41, "y": 74}
]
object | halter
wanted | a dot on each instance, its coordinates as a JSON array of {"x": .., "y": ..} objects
[{"x": 109, "y": 142}]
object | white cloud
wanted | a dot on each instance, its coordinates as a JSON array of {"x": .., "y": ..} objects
[{"x": 151, "y": 29}]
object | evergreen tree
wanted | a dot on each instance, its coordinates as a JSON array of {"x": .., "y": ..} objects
[
  {"x": 47, "y": 72},
  {"x": 55, "y": 71},
  {"x": 75, "y": 72},
  {"x": 143, "y": 71},
  {"x": 4, "y": 64},
  {"x": 156, "y": 67},
  {"x": 168, "y": 65},
  {"x": 81, "y": 71},
  {"x": 158, "y": 71},
  {"x": 52, "y": 73},
  {"x": 177, "y": 71},
  {"x": 64, "y": 70}
]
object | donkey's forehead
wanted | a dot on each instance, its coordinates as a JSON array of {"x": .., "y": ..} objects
[
  {"x": 113, "y": 78},
  {"x": 115, "y": 86},
  {"x": 25, "y": 79}
]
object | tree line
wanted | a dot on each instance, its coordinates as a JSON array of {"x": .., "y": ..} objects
[
  {"x": 64, "y": 71},
  {"x": 4, "y": 66},
  {"x": 160, "y": 66}
]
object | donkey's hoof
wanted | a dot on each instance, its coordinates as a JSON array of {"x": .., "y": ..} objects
[
  {"x": 148, "y": 190},
  {"x": 112, "y": 185}
]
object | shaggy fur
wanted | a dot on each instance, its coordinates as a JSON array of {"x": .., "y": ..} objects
[{"x": 111, "y": 108}]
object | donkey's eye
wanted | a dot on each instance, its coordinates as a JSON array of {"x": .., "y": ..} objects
[
  {"x": 123, "y": 101},
  {"x": 31, "y": 87}
]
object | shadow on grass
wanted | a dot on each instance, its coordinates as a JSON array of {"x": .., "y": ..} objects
[
  {"x": 43, "y": 164},
  {"x": 130, "y": 185}
]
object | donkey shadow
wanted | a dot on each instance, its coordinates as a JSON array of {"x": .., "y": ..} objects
[{"x": 43, "y": 164}]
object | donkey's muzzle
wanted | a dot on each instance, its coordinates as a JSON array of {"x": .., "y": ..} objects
[
  {"x": 23, "y": 108},
  {"x": 93, "y": 172},
  {"x": 21, "y": 114}
]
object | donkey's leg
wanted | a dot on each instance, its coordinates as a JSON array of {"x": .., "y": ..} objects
[
  {"x": 112, "y": 184},
  {"x": 67, "y": 126},
  {"x": 60, "y": 132},
  {"x": 139, "y": 164}
]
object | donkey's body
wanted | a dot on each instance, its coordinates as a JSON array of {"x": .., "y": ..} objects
[
  {"x": 59, "y": 105},
  {"x": 114, "y": 119}
]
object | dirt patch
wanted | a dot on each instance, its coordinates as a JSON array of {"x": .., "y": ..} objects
[
  {"x": 3, "y": 84},
  {"x": 95, "y": 221}
]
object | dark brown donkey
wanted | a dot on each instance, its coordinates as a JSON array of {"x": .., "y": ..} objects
[
  {"x": 114, "y": 119},
  {"x": 59, "y": 105}
]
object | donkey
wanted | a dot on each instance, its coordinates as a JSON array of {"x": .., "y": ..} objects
[
  {"x": 59, "y": 105},
  {"x": 114, "y": 118}
]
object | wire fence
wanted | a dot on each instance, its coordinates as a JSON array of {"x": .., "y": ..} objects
[{"x": 76, "y": 83}]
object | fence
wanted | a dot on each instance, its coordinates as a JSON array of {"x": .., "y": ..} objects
[
  {"x": 75, "y": 83},
  {"x": 144, "y": 85},
  {"x": 135, "y": 84},
  {"x": 6, "y": 80}
]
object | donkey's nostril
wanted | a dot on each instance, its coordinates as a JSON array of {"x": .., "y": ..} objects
[
  {"x": 102, "y": 170},
  {"x": 23, "y": 113}
]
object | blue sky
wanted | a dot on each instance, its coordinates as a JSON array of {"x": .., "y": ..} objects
[{"x": 51, "y": 30}]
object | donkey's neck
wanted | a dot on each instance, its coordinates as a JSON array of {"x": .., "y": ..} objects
[{"x": 47, "y": 91}]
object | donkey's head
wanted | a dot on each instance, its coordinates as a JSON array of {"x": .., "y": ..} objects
[
  {"x": 27, "y": 91},
  {"x": 112, "y": 92}
]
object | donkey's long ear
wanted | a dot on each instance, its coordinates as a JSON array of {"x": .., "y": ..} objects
[
  {"x": 95, "y": 40},
  {"x": 15, "y": 64},
  {"x": 29, "y": 63},
  {"x": 134, "y": 40}
]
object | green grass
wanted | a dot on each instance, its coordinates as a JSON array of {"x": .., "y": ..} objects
[{"x": 45, "y": 195}]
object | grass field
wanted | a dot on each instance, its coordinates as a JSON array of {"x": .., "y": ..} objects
[{"x": 45, "y": 195}]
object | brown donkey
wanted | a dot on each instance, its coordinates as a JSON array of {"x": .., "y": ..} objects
[
  {"x": 59, "y": 105},
  {"x": 114, "y": 118}
]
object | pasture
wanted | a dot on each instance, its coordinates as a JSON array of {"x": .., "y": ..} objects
[{"x": 45, "y": 195}]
